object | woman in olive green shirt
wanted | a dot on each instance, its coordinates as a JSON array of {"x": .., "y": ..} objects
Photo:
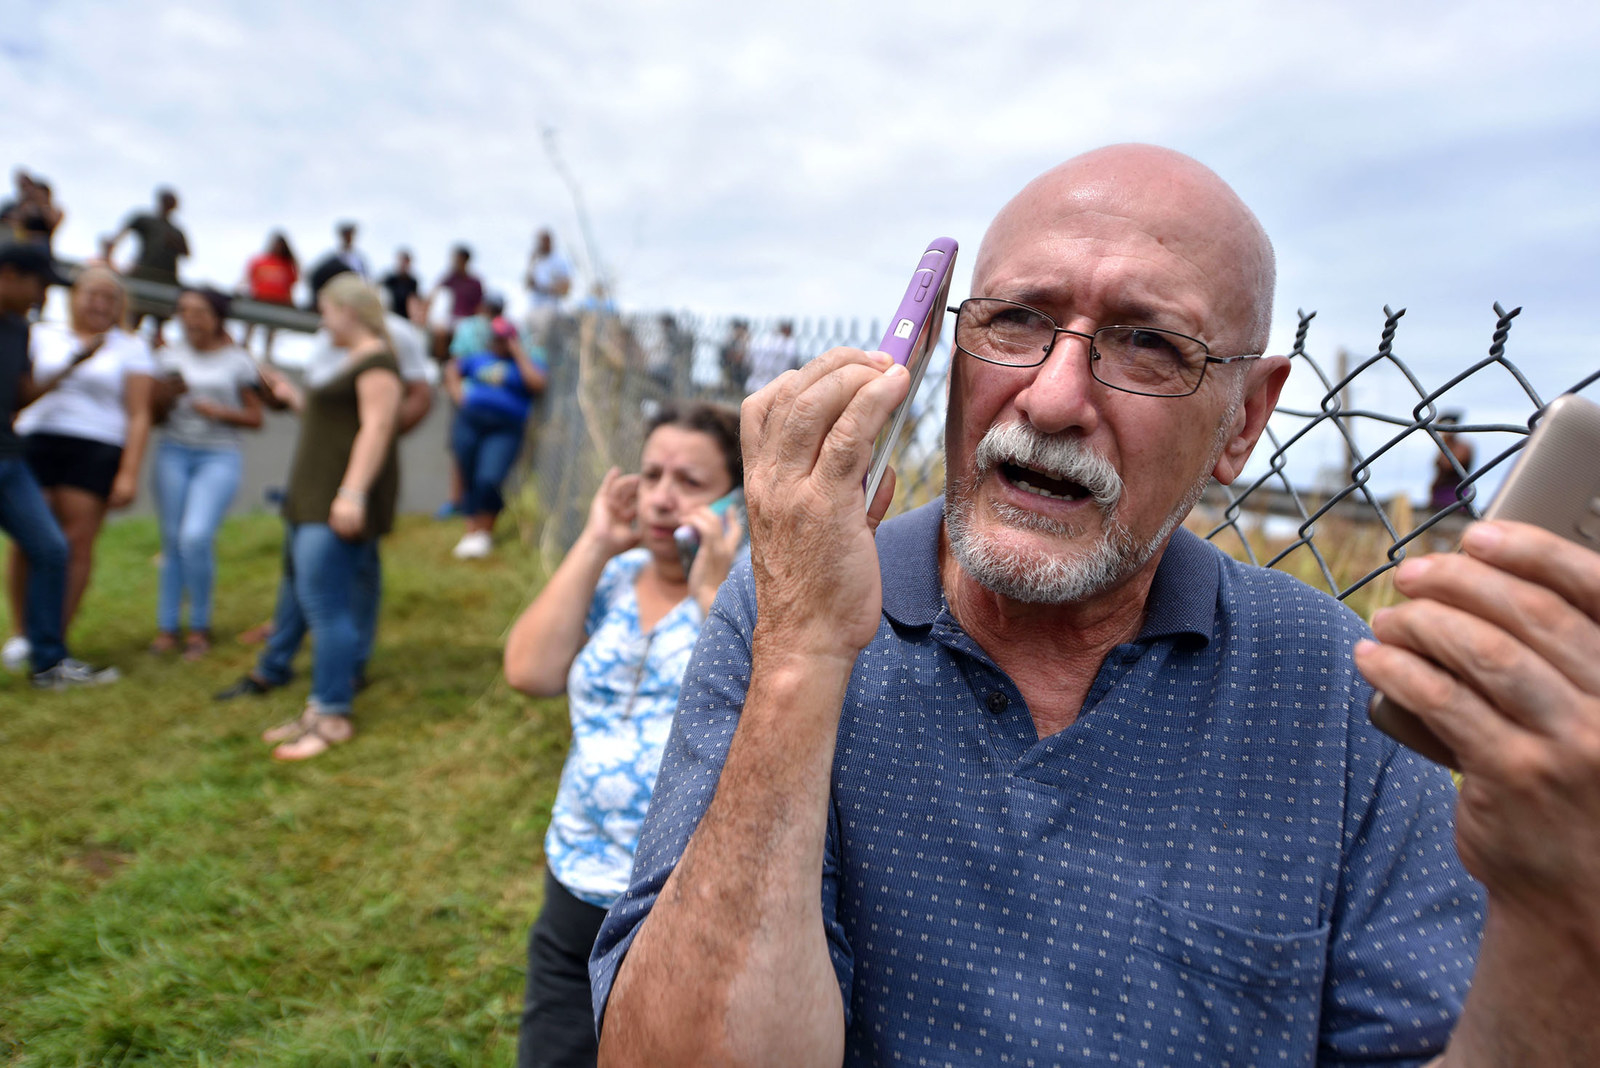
[{"x": 341, "y": 498}]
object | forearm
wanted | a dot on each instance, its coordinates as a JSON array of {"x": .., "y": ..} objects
[
  {"x": 248, "y": 418},
  {"x": 138, "y": 437},
  {"x": 1535, "y": 997},
  {"x": 732, "y": 964},
  {"x": 547, "y": 636},
  {"x": 367, "y": 453},
  {"x": 414, "y": 405}
]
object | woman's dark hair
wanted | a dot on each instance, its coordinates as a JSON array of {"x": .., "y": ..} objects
[
  {"x": 717, "y": 421},
  {"x": 278, "y": 245},
  {"x": 218, "y": 300}
]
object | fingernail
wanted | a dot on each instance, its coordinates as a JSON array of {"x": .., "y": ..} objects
[
  {"x": 880, "y": 358},
  {"x": 1376, "y": 618},
  {"x": 893, "y": 367},
  {"x": 1485, "y": 536},
  {"x": 1365, "y": 644},
  {"x": 1413, "y": 567}
]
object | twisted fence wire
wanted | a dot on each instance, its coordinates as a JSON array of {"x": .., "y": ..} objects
[{"x": 610, "y": 373}]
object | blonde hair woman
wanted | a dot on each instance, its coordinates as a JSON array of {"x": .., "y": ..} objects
[
  {"x": 343, "y": 483},
  {"x": 85, "y": 437}
]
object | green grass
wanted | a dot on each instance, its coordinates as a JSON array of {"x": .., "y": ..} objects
[{"x": 168, "y": 895}]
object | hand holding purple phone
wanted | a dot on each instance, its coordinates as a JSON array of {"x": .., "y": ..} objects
[{"x": 911, "y": 338}]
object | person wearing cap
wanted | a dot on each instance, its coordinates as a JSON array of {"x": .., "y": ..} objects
[
  {"x": 494, "y": 390},
  {"x": 25, "y": 270}
]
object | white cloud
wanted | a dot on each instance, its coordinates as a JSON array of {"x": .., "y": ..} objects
[{"x": 796, "y": 159}]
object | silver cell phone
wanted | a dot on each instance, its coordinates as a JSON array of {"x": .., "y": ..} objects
[
  {"x": 1555, "y": 485},
  {"x": 910, "y": 340}
]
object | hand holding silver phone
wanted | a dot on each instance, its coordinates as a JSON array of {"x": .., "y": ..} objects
[{"x": 1555, "y": 485}]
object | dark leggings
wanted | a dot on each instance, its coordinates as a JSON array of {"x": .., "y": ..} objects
[{"x": 558, "y": 1014}]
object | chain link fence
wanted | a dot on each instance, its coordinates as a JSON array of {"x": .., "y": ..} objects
[{"x": 1337, "y": 492}]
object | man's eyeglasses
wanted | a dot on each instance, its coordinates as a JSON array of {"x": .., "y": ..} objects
[{"x": 1134, "y": 359}]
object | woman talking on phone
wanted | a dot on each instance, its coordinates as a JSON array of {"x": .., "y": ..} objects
[{"x": 613, "y": 629}]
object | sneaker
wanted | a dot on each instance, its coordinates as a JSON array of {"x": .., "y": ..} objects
[
  {"x": 247, "y": 686},
  {"x": 69, "y": 673},
  {"x": 15, "y": 653},
  {"x": 474, "y": 545}
]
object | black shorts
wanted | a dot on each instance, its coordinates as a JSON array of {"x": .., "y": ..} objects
[{"x": 59, "y": 460}]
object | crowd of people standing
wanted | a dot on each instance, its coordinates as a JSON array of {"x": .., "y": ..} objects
[{"x": 84, "y": 402}]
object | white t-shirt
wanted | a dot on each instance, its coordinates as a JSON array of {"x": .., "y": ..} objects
[
  {"x": 410, "y": 351},
  {"x": 547, "y": 271},
  {"x": 218, "y": 376},
  {"x": 88, "y": 403}
]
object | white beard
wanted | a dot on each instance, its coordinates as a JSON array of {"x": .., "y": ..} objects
[{"x": 1040, "y": 576}]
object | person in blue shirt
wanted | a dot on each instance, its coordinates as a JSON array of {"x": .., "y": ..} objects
[
  {"x": 613, "y": 629},
  {"x": 494, "y": 390},
  {"x": 1033, "y": 775}
]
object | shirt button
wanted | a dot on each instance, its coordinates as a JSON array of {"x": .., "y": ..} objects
[{"x": 997, "y": 702}]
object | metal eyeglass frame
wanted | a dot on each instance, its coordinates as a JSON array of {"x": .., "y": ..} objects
[{"x": 1094, "y": 354}]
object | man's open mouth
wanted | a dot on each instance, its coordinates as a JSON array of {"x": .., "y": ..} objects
[{"x": 1044, "y": 485}]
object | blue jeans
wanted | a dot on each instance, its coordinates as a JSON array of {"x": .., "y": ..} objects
[
  {"x": 193, "y": 490},
  {"x": 325, "y": 589},
  {"x": 485, "y": 447},
  {"x": 26, "y": 517}
]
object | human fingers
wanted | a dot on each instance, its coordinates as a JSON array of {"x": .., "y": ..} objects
[
  {"x": 814, "y": 415},
  {"x": 1541, "y": 618},
  {"x": 623, "y": 496},
  {"x": 1542, "y": 557},
  {"x": 846, "y": 452},
  {"x": 1457, "y": 716},
  {"x": 879, "y": 506},
  {"x": 787, "y": 388},
  {"x": 1506, "y": 673}
]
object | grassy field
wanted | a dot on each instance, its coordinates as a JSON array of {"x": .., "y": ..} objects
[{"x": 170, "y": 896}]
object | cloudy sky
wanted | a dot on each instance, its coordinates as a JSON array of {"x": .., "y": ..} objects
[{"x": 765, "y": 159}]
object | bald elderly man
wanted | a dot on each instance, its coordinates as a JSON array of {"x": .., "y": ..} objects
[{"x": 1032, "y": 775}]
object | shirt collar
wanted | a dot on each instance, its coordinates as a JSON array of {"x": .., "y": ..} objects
[{"x": 1182, "y": 600}]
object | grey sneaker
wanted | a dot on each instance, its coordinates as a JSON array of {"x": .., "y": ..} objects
[{"x": 69, "y": 673}]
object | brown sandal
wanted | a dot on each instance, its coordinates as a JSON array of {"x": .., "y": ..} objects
[
  {"x": 165, "y": 642},
  {"x": 323, "y": 734},
  {"x": 196, "y": 645}
]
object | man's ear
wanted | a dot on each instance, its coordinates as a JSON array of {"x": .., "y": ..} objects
[{"x": 1264, "y": 380}]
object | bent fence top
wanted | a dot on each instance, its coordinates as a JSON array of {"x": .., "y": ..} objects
[{"x": 1340, "y": 529}]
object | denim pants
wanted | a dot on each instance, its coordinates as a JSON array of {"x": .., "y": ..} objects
[
  {"x": 325, "y": 589},
  {"x": 485, "y": 447},
  {"x": 26, "y": 517},
  {"x": 193, "y": 490}
]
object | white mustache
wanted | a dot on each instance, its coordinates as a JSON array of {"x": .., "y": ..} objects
[{"x": 1058, "y": 456}]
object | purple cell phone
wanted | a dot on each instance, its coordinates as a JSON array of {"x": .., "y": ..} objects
[{"x": 913, "y": 333}]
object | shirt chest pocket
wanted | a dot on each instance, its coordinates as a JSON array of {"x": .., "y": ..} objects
[{"x": 1201, "y": 992}]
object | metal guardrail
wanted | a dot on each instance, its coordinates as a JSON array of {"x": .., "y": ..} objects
[{"x": 160, "y": 298}]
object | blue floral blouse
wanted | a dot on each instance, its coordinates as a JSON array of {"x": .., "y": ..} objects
[{"x": 622, "y": 692}]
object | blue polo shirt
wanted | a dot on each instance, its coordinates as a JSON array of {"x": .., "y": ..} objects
[{"x": 1220, "y": 862}]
